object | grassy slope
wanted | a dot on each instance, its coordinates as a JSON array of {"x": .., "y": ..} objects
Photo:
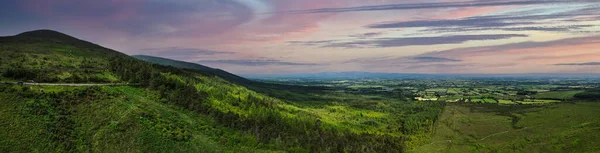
[
  {"x": 564, "y": 127},
  {"x": 131, "y": 121},
  {"x": 336, "y": 110},
  {"x": 49, "y": 56}
]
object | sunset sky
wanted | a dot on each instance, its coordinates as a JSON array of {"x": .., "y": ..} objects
[{"x": 307, "y": 36}]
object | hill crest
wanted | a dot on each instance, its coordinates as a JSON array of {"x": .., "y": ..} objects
[{"x": 194, "y": 66}]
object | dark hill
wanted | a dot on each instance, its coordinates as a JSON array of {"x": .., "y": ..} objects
[
  {"x": 54, "y": 39},
  {"x": 50, "y": 56},
  {"x": 193, "y": 66},
  {"x": 47, "y": 34}
]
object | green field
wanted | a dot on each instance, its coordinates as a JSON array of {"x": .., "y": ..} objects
[
  {"x": 557, "y": 94},
  {"x": 505, "y": 102},
  {"x": 551, "y": 128},
  {"x": 437, "y": 90},
  {"x": 483, "y": 100}
]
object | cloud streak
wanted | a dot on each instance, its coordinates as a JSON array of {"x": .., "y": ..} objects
[
  {"x": 554, "y": 18},
  {"x": 580, "y": 64},
  {"x": 491, "y": 50},
  {"x": 262, "y": 62},
  {"x": 487, "y": 3},
  {"x": 434, "y": 59},
  {"x": 408, "y": 41},
  {"x": 182, "y": 53}
]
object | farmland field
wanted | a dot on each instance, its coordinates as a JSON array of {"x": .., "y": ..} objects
[
  {"x": 566, "y": 127},
  {"x": 558, "y": 94}
]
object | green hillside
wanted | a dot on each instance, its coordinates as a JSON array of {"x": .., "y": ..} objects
[
  {"x": 192, "y": 66},
  {"x": 172, "y": 109},
  {"x": 49, "y": 56}
]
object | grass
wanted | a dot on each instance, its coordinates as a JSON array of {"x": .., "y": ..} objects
[
  {"x": 483, "y": 100},
  {"x": 558, "y": 94},
  {"x": 539, "y": 101},
  {"x": 437, "y": 90},
  {"x": 20, "y": 132},
  {"x": 562, "y": 127},
  {"x": 131, "y": 121},
  {"x": 505, "y": 102}
]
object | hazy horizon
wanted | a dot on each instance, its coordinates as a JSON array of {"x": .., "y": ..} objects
[{"x": 312, "y": 36}]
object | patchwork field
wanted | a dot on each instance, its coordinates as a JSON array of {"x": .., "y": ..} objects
[{"x": 565, "y": 127}]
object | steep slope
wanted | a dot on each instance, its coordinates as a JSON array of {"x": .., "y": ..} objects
[{"x": 193, "y": 66}]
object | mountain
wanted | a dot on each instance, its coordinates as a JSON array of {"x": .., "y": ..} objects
[
  {"x": 50, "y": 39},
  {"x": 193, "y": 66},
  {"x": 50, "y": 56},
  {"x": 111, "y": 102}
]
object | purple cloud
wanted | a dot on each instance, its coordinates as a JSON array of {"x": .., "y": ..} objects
[
  {"x": 261, "y": 62},
  {"x": 408, "y": 41}
]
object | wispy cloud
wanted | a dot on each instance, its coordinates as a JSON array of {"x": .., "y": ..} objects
[
  {"x": 367, "y": 35},
  {"x": 481, "y": 23},
  {"x": 497, "y": 49},
  {"x": 182, "y": 53},
  {"x": 434, "y": 59},
  {"x": 581, "y": 64},
  {"x": 407, "y": 41},
  {"x": 261, "y": 62},
  {"x": 570, "y": 18},
  {"x": 481, "y": 3}
]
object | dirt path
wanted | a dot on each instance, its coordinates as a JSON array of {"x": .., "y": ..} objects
[{"x": 499, "y": 133}]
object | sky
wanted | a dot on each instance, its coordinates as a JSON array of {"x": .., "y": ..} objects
[{"x": 310, "y": 36}]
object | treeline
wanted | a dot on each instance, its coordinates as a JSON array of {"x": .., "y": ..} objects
[
  {"x": 590, "y": 94},
  {"x": 422, "y": 117},
  {"x": 39, "y": 75},
  {"x": 260, "y": 116}
]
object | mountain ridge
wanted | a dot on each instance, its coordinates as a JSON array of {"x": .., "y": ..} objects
[
  {"x": 194, "y": 66},
  {"x": 382, "y": 75}
]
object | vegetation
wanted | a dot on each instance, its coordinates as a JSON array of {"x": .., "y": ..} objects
[
  {"x": 558, "y": 95},
  {"x": 592, "y": 94},
  {"x": 161, "y": 105},
  {"x": 568, "y": 127},
  {"x": 186, "y": 109},
  {"x": 48, "y": 56},
  {"x": 108, "y": 119}
]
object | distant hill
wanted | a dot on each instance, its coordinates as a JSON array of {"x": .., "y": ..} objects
[
  {"x": 375, "y": 75},
  {"x": 193, "y": 66},
  {"x": 340, "y": 75},
  {"x": 45, "y": 40}
]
